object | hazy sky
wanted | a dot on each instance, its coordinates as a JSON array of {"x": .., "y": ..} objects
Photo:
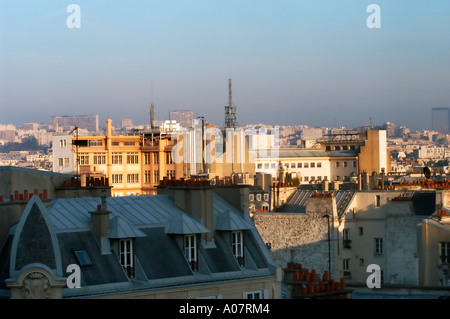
[{"x": 308, "y": 62}]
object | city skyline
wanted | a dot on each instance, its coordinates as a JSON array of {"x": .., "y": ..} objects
[{"x": 315, "y": 63}]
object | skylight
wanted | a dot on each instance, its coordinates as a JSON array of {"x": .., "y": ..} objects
[{"x": 82, "y": 257}]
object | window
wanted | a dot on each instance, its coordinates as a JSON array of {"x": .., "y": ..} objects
[
  {"x": 259, "y": 166},
  {"x": 338, "y": 164},
  {"x": 273, "y": 165},
  {"x": 292, "y": 165},
  {"x": 344, "y": 147},
  {"x": 237, "y": 246},
  {"x": 266, "y": 165},
  {"x": 306, "y": 165},
  {"x": 155, "y": 177},
  {"x": 346, "y": 238},
  {"x": 96, "y": 143},
  {"x": 116, "y": 158},
  {"x": 345, "y": 164},
  {"x": 266, "y": 197},
  {"x": 126, "y": 256},
  {"x": 313, "y": 165},
  {"x": 129, "y": 143},
  {"x": 258, "y": 197},
  {"x": 251, "y": 197},
  {"x": 306, "y": 178},
  {"x": 155, "y": 158},
  {"x": 99, "y": 158},
  {"x": 82, "y": 257},
  {"x": 132, "y": 158},
  {"x": 253, "y": 295},
  {"x": 190, "y": 251},
  {"x": 354, "y": 163},
  {"x": 361, "y": 231},
  {"x": 62, "y": 143},
  {"x": 116, "y": 178},
  {"x": 377, "y": 200},
  {"x": 60, "y": 162},
  {"x": 169, "y": 158},
  {"x": 83, "y": 158},
  {"x": 338, "y": 178},
  {"x": 361, "y": 261},
  {"x": 132, "y": 178},
  {"x": 378, "y": 246},
  {"x": 319, "y": 164},
  {"x": 147, "y": 177},
  {"x": 445, "y": 252},
  {"x": 66, "y": 162},
  {"x": 346, "y": 267},
  {"x": 115, "y": 143},
  {"x": 319, "y": 178},
  {"x": 147, "y": 158},
  {"x": 170, "y": 174},
  {"x": 299, "y": 165},
  {"x": 337, "y": 147}
]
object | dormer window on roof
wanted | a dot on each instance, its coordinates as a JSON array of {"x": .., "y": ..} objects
[{"x": 190, "y": 251}]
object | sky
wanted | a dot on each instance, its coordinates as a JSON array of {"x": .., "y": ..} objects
[{"x": 292, "y": 62}]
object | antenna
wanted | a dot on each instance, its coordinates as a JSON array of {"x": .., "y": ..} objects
[
  {"x": 152, "y": 111},
  {"x": 230, "y": 109}
]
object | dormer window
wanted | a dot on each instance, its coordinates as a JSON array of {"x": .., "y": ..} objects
[
  {"x": 126, "y": 256},
  {"x": 238, "y": 246},
  {"x": 190, "y": 251}
]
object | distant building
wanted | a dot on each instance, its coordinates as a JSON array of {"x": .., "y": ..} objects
[
  {"x": 126, "y": 124},
  {"x": 7, "y": 133},
  {"x": 68, "y": 122},
  {"x": 184, "y": 117},
  {"x": 440, "y": 117}
]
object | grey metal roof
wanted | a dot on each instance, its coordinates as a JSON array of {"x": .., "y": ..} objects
[
  {"x": 222, "y": 210},
  {"x": 229, "y": 221},
  {"x": 183, "y": 224},
  {"x": 119, "y": 228},
  {"x": 144, "y": 210},
  {"x": 296, "y": 203}
]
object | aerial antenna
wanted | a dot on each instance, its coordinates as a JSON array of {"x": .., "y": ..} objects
[
  {"x": 230, "y": 109},
  {"x": 152, "y": 110}
]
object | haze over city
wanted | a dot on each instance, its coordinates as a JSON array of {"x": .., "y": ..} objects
[{"x": 316, "y": 63}]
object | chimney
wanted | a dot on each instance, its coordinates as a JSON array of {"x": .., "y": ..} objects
[
  {"x": 325, "y": 185},
  {"x": 100, "y": 224},
  {"x": 236, "y": 195}
]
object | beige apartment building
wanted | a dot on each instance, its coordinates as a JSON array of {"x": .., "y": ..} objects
[{"x": 135, "y": 164}]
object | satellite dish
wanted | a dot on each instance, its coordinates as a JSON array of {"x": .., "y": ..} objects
[{"x": 427, "y": 172}]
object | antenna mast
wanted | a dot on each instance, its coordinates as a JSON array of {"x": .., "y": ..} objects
[{"x": 230, "y": 110}]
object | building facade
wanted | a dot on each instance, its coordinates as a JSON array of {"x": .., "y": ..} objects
[{"x": 186, "y": 242}]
